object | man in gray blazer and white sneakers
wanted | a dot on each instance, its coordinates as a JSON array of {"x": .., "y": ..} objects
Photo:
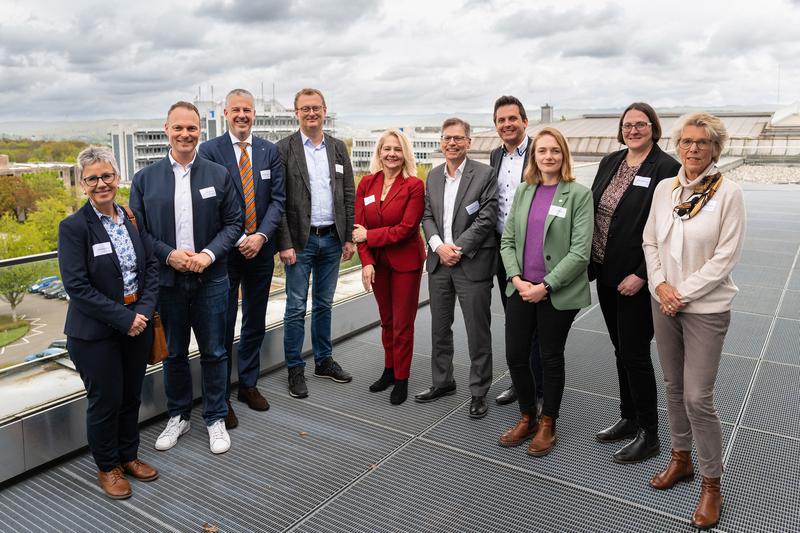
[{"x": 459, "y": 221}]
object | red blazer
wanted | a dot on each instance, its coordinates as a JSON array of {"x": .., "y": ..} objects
[{"x": 393, "y": 228}]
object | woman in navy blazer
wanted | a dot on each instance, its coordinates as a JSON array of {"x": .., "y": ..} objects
[
  {"x": 389, "y": 207},
  {"x": 111, "y": 276}
]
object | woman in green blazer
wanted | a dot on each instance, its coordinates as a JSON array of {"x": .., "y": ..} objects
[{"x": 546, "y": 247}]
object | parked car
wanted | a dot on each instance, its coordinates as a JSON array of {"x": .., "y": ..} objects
[
  {"x": 42, "y": 284},
  {"x": 44, "y": 353},
  {"x": 59, "y": 343},
  {"x": 62, "y": 294},
  {"x": 52, "y": 290}
]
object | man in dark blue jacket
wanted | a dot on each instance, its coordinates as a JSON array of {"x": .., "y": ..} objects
[
  {"x": 187, "y": 206},
  {"x": 255, "y": 167}
]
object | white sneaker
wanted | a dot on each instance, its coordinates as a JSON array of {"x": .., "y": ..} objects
[
  {"x": 169, "y": 437},
  {"x": 218, "y": 439}
]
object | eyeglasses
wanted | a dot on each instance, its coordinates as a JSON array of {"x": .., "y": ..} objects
[
  {"x": 628, "y": 126},
  {"x": 306, "y": 109},
  {"x": 702, "y": 144},
  {"x": 458, "y": 139},
  {"x": 108, "y": 178}
]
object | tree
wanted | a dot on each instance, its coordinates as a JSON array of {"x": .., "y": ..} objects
[
  {"x": 14, "y": 283},
  {"x": 16, "y": 240},
  {"x": 45, "y": 219},
  {"x": 15, "y": 196}
]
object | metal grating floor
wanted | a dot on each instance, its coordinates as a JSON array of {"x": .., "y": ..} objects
[{"x": 345, "y": 460}]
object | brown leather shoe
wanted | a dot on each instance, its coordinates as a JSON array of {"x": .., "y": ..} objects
[
  {"x": 679, "y": 469},
  {"x": 114, "y": 484},
  {"x": 545, "y": 438},
  {"x": 253, "y": 398},
  {"x": 140, "y": 470},
  {"x": 707, "y": 513},
  {"x": 521, "y": 432},
  {"x": 230, "y": 419}
]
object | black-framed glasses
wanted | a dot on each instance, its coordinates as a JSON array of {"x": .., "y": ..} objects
[
  {"x": 702, "y": 144},
  {"x": 455, "y": 138},
  {"x": 108, "y": 178},
  {"x": 306, "y": 109},
  {"x": 628, "y": 126}
]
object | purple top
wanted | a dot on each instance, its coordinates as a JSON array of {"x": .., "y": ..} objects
[{"x": 533, "y": 268}]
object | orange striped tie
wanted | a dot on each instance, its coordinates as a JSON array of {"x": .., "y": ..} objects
[{"x": 248, "y": 186}]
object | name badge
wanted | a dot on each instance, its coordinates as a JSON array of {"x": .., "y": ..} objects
[
  {"x": 266, "y": 174},
  {"x": 641, "y": 181},
  {"x": 473, "y": 207},
  {"x": 339, "y": 168},
  {"x": 208, "y": 192},
  {"x": 102, "y": 248},
  {"x": 369, "y": 199},
  {"x": 557, "y": 211},
  {"x": 710, "y": 206}
]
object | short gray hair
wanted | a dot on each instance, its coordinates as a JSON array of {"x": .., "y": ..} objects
[
  {"x": 239, "y": 92},
  {"x": 713, "y": 126},
  {"x": 97, "y": 154}
]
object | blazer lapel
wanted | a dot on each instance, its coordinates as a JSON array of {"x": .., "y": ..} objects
[
  {"x": 393, "y": 191},
  {"x": 521, "y": 214},
  {"x": 259, "y": 162},
  {"x": 229, "y": 156},
  {"x": 169, "y": 215},
  {"x": 330, "y": 149},
  {"x": 559, "y": 200},
  {"x": 463, "y": 185},
  {"x": 99, "y": 232},
  {"x": 136, "y": 240},
  {"x": 299, "y": 153}
]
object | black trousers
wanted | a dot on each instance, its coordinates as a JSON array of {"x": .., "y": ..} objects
[
  {"x": 629, "y": 320},
  {"x": 112, "y": 370},
  {"x": 523, "y": 321},
  {"x": 502, "y": 283}
]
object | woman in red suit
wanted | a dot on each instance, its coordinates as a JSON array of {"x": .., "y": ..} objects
[{"x": 389, "y": 205}]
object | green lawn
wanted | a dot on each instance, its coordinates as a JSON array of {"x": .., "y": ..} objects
[{"x": 10, "y": 335}]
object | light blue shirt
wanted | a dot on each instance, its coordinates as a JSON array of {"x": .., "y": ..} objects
[
  {"x": 123, "y": 247},
  {"x": 319, "y": 176}
]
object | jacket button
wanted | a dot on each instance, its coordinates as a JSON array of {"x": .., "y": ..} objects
[{"x": 547, "y": 257}]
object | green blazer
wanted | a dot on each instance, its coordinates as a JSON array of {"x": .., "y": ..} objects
[{"x": 567, "y": 242}]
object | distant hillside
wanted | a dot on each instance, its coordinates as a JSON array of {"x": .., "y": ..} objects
[{"x": 89, "y": 131}]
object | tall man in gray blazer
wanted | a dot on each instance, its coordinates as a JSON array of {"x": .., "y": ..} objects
[
  {"x": 315, "y": 233},
  {"x": 459, "y": 223}
]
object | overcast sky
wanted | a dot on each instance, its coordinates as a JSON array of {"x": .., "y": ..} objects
[{"x": 132, "y": 59}]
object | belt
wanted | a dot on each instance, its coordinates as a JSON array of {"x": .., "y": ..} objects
[
  {"x": 321, "y": 231},
  {"x": 131, "y": 298}
]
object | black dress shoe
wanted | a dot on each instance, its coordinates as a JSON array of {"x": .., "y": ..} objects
[
  {"x": 434, "y": 393},
  {"x": 643, "y": 447},
  {"x": 507, "y": 396},
  {"x": 478, "y": 407},
  {"x": 399, "y": 392},
  {"x": 624, "y": 428}
]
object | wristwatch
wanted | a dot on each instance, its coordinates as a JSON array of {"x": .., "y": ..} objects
[{"x": 547, "y": 287}]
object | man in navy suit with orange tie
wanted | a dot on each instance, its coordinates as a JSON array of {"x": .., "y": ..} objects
[{"x": 257, "y": 173}]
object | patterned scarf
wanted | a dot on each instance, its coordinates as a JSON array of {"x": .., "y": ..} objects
[{"x": 704, "y": 191}]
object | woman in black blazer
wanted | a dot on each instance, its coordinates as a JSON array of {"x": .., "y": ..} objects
[
  {"x": 623, "y": 190},
  {"x": 111, "y": 276}
]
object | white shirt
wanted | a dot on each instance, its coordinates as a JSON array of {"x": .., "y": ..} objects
[
  {"x": 448, "y": 209},
  {"x": 184, "y": 223},
  {"x": 508, "y": 179},
  {"x": 319, "y": 178},
  {"x": 238, "y": 151}
]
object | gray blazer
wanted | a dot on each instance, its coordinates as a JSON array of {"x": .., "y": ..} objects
[
  {"x": 296, "y": 223},
  {"x": 473, "y": 232}
]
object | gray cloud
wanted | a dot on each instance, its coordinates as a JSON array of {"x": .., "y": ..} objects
[
  {"x": 541, "y": 23},
  {"x": 334, "y": 15}
]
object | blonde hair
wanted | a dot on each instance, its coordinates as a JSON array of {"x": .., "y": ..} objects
[
  {"x": 533, "y": 175},
  {"x": 713, "y": 126},
  {"x": 409, "y": 161}
]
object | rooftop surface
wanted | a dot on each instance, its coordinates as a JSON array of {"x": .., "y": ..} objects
[{"x": 345, "y": 460}]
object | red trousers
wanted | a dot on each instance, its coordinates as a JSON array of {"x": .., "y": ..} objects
[{"x": 397, "y": 294}]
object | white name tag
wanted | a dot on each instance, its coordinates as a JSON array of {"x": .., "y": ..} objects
[
  {"x": 266, "y": 174},
  {"x": 339, "y": 168},
  {"x": 557, "y": 211},
  {"x": 369, "y": 199},
  {"x": 710, "y": 206},
  {"x": 208, "y": 192},
  {"x": 641, "y": 181},
  {"x": 473, "y": 207},
  {"x": 102, "y": 248}
]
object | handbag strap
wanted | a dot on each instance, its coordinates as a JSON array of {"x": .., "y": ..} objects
[{"x": 130, "y": 216}]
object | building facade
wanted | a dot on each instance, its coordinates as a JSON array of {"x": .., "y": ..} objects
[{"x": 424, "y": 141}]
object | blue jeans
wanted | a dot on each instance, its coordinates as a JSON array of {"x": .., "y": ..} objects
[
  {"x": 193, "y": 304},
  {"x": 320, "y": 256}
]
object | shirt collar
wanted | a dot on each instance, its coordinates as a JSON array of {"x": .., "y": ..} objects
[
  {"x": 308, "y": 142},
  {"x": 523, "y": 146},
  {"x": 100, "y": 215},
  {"x": 173, "y": 162},
  {"x": 459, "y": 170},
  {"x": 236, "y": 141}
]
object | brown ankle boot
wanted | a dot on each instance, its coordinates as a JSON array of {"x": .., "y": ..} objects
[
  {"x": 114, "y": 484},
  {"x": 706, "y": 515},
  {"x": 545, "y": 438},
  {"x": 521, "y": 432},
  {"x": 679, "y": 469}
]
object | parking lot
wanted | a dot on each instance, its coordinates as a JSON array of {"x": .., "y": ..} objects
[{"x": 47, "y": 325}]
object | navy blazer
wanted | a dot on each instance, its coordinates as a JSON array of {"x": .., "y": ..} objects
[
  {"x": 217, "y": 218},
  {"x": 270, "y": 194},
  {"x": 94, "y": 282}
]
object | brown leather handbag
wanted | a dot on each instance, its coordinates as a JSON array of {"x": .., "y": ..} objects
[{"x": 159, "y": 350}]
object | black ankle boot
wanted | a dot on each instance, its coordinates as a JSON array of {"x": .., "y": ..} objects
[
  {"x": 644, "y": 446},
  {"x": 624, "y": 428},
  {"x": 386, "y": 379},
  {"x": 399, "y": 392}
]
